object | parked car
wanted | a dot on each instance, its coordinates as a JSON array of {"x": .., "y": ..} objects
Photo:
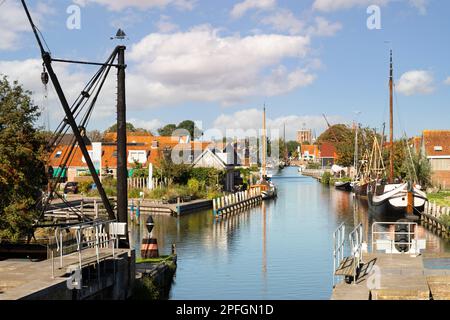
[{"x": 71, "y": 187}]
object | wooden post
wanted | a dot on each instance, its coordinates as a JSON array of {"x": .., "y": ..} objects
[
  {"x": 410, "y": 206},
  {"x": 96, "y": 208}
]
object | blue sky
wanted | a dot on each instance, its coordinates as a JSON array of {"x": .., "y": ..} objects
[{"x": 219, "y": 62}]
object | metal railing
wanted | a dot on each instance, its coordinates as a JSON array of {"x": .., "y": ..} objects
[
  {"x": 95, "y": 234},
  {"x": 402, "y": 238},
  {"x": 338, "y": 249},
  {"x": 356, "y": 240}
]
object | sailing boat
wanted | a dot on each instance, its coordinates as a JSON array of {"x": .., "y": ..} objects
[
  {"x": 394, "y": 198},
  {"x": 268, "y": 188}
]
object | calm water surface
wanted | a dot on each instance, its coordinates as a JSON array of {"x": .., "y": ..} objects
[{"x": 282, "y": 250}]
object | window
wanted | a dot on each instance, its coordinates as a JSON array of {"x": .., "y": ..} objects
[
  {"x": 438, "y": 148},
  {"x": 58, "y": 155},
  {"x": 137, "y": 156}
]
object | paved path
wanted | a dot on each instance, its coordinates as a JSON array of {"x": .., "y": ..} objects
[
  {"x": 20, "y": 278},
  {"x": 401, "y": 277}
]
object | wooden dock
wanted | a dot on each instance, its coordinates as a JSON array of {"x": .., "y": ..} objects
[
  {"x": 93, "y": 208},
  {"x": 397, "y": 277},
  {"x": 236, "y": 202}
]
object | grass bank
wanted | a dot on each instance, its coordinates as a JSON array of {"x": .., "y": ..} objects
[{"x": 441, "y": 198}]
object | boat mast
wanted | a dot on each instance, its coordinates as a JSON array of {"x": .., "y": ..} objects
[
  {"x": 356, "y": 150},
  {"x": 391, "y": 113},
  {"x": 264, "y": 144}
]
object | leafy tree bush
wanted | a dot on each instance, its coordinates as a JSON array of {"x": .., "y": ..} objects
[
  {"x": 326, "y": 178},
  {"x": 22, "y": 155},
  {"x": 193, "y": 185}
]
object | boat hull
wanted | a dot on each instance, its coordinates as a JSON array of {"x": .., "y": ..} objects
[
  {"x": 360, "y": 189},
  {"x": 345, "y": 186},
  {"x": 395, "y": 202}
]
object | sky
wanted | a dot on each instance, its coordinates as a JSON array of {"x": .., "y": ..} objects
[{"x": 219, "y": 62}]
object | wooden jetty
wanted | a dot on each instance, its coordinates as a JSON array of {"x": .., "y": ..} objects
[
  {"x": 235, "y": 202},
  {"x": 431, "y": 218},
  {"x": 94, "y": 209}
]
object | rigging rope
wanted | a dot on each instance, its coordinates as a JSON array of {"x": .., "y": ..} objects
[{"x": 91, "y": 90}]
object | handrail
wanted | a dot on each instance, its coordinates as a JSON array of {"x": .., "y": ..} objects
[
  {"x": 356, "y": 239},
  {"x": 338, "y": 248},
  {"x": 411, "y": 233},
  {"x": 107, "y": 227}
]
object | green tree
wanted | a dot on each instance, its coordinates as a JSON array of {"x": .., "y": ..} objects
[
  {"x": 188, "y": 125},
  {"x": 167, "y": 130},
  {"x": 292, "y": 147},
  {"x": 343, "y": 138},
  {"x": 22, "y": 169},
  {"x": 130, "y": 128}
]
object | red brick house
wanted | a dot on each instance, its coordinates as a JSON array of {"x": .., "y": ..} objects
[{"x": 436, "y": 147}]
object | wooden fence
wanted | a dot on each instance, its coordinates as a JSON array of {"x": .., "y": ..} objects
[
  {"x": 432, "y": 219},
  {"x": 143, "y": 183}
]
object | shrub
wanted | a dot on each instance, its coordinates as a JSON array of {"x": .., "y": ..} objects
[
  {"x": 326, "y": 177},
  {"x": 313, "y": 165},
  {"x": 85, "y": 187},
  {"x": 134, "y": 193},
  {"x": 193, "y": 185}
]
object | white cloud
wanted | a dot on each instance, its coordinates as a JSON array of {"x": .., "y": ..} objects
[
  {"x": 198, "y": 65},
  {"x": 164, "y": 24},
  {"x": 447, "y": 81},
  {"x": 284, "y": 20},
  {"x": 28, "y": 73},
  {"x": 14, "y": 22},
  {"x": 201, "y": 65},
  {"x": 240, "y": 9},
  {"x": 416, "y": 82},
  {"x": 251, "y": 119},
  {"x": 118, "y": 5},
  {"x": 324, "y": 28},
  {"x": 335, "y": 5},
  {"x": 152, "y": 125},
  {"x": 420, "y": 5}
]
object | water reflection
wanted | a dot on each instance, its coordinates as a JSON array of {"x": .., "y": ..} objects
[{"x": 281, "y": 250}]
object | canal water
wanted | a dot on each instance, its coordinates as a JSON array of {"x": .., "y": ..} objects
[{"x": 282, "y": 250}]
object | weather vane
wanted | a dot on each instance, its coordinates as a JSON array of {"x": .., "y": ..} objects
[{"x": 120, "y": 35}]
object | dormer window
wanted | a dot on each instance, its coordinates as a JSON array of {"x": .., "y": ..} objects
[
  {"x": 58, "y": 154},
  {"x": 438, "y": 148},
  {"x": 155, "y": 144}
]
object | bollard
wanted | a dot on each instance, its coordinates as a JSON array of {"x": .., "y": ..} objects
[
  {"x": 149, "y": 248},
  {"x": 174, "y": 249}
]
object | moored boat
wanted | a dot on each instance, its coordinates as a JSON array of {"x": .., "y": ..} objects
[
  {"x": 343, "y": 185},
  {"x": 392, "y": 198}
]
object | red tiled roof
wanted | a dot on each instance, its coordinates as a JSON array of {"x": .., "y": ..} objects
[
  {"x": 311, "y": 149},
  {"x": 328, "y": 150},
  {"x": 434, "y": 140},
  {"x": 110, "y": 160}
]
